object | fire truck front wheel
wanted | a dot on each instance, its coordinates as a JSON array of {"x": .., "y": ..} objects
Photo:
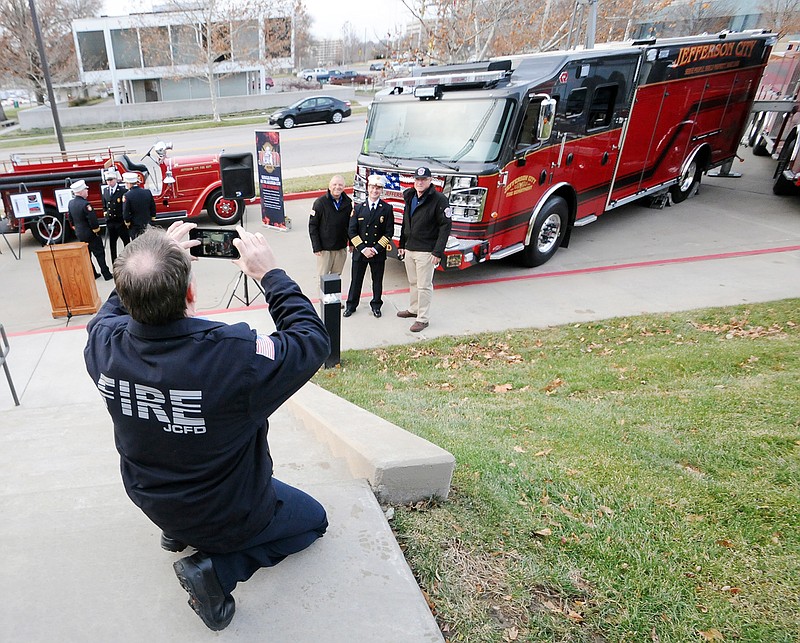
[
  {"x": 50, "y": 227},
  {"x": 224, "y": 211},
  {"x": 547, "y": 234}
]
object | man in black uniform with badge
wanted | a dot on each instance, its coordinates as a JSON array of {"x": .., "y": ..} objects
[
  {"x": 370, "y": 230},
  {"x": 190, "y": 398},
  {"x": 112, "y": 206},
  {"x": 138, "y": 205},
  {"x": 87, "y": 229}
]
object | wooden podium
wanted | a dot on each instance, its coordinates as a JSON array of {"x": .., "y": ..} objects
[{"x": 71, "y": 262}]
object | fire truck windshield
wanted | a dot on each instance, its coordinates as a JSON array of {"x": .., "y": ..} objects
[{"x": 445, "y": 130}]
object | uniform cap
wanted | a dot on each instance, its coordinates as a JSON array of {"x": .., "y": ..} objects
[
  {"x": 422, "y": 173},
  {"x": 111, "y": 174},
  {"x": 130, "y": 177},
  {"x": 376, "y": 179},
  {"x": 78, "y": 186}
]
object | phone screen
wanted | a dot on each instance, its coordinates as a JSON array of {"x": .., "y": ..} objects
[{"x": 214, "y": 243}]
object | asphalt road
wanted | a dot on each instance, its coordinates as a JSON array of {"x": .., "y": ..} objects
[{"x": 304, "y": 145}]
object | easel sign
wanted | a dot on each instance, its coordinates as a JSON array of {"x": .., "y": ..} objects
[
  {"x": 63, "y": 197},
  {"x": 27, "y": 204}
]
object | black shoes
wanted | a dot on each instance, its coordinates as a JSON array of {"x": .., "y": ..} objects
[
  {"x": 197, "y": 577},
  {"x": 376, "y": 312},
  {"x": 170, "y": 544},
  {"x": 347, "y": 312}
]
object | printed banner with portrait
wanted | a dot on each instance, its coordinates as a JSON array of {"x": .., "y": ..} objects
[{"x": 270, "y": 183}]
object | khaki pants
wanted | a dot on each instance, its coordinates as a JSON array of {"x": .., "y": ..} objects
[
  {"x": 419, "y": 270},
  {"x": 331, "y": 262}
]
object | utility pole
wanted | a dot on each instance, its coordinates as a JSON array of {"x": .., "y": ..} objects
[{"x": 46, "y": 73}]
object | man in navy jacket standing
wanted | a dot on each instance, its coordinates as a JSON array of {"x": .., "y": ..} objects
[{"x": 189, "y": 399}]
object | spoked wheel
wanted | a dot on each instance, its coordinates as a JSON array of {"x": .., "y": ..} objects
[
  {"x": 548, "y": 233},
  {"x": 50, "y": 228},
  {"x": 224, "y": 211},
  {"x": 288, "y": 123},
  {"x": 336, "y": 118}
]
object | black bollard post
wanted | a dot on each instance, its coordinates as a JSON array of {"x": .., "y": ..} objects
[{"x": 330, "y": 287}]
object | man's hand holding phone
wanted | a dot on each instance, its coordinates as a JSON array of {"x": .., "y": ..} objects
[{"x": 256, "y": 257}]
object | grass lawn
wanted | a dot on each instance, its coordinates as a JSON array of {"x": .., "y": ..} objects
[{"x": 636, "y": 479}]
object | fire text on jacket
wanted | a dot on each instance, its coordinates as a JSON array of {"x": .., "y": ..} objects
[{"x": 178, "y": 410}]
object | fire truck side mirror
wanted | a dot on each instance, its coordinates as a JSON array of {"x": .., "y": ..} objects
[{"x": 546, "y": 115}]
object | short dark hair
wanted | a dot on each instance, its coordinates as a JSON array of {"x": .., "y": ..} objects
[{"x": 152, "y": 276}]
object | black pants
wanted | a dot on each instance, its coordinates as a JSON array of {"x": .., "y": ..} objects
[
  {"x": 117, "y": 230},
  {"x": 136, "y": 230},
  {"x": 376, "y": 267},
  {"x": 99, "y": 253}
]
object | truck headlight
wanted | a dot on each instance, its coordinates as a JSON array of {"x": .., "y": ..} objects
[{"x": 467, "y": 204}]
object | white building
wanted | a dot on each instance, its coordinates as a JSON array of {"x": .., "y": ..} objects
[{"x": 162, "y": 56}]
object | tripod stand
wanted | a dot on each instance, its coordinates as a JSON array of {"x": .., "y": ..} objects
[
  {"x": 247, "y": 299},
  {"x": 243, "y": 278}
]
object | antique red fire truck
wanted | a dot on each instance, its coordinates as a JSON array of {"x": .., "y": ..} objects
[
  {"x": 528, "y": 147},
  {"x": 182, "y": 186}
]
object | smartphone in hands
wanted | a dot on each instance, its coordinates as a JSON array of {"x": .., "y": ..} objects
[{"x": 214, "y": 243}]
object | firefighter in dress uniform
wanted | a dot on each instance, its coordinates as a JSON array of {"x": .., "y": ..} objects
[
  {"x": 138, "y": 205},
  {"x": 87, "y": 229},
  {"x": 112, "y": 206},
  {"x": 370, "y": 230}
]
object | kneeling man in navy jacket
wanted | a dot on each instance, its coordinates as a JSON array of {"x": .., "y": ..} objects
[{"x": 189, "y": 399}]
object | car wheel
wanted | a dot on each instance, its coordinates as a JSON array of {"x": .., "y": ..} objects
[
  {"x": 309, "y": 78},
  {"x": 548, "y": 233},
  {"x": 50, "y": 228},
  {"x": 687, "y": 183},
  {"x": 224, "y": 211},
  {"x": 337, "y": 117},
  {"x": 287, "y": 123}
]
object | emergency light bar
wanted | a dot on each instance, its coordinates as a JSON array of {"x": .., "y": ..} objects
[{"x": 403, "y": 85}]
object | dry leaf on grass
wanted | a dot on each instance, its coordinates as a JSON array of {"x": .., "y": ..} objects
[
  {"x": 502, "y": 388},
  {"x": 711, "y": 634}
]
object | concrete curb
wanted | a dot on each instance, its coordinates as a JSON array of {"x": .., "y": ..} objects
[{"x": 400, "y": 467}]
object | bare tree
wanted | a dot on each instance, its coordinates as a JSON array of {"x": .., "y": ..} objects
[
  {"x": 213, "y": 35},
  {"x": 303, "y": 42},
  {"x": 20, "y": 58},
  {"x": 782, "y": 16}
]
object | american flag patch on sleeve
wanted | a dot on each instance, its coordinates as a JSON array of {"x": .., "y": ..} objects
[{"x": 264, "y": 346}]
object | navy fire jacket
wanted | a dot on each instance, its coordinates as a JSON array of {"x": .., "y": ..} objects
[{"x": 190, "y": 400}]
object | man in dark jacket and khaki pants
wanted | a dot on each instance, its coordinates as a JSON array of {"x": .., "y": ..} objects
[
  {"x": 327, "y": 227},
  {"x": 426, "y": 226}
]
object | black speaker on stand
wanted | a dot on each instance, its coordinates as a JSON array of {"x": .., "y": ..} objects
[{"x": 236, "y": 174}]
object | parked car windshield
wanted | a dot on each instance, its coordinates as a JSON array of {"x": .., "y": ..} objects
[{"x": 448, "y": 130}]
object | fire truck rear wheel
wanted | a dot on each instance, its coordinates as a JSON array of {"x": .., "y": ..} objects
[
  {"x": 548, "y": 233},
  {"x": 50, "y": 227},
  {"x": 224, "y": 211},
  {"x": 688, "y": 182},
  {"x": 782, "y": 185}
]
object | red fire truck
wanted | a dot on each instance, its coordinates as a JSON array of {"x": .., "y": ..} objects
[
  {"x": 775, "y": 123},
  {"x": 182, "y": 186},
  {"x": 528, "y": 147}
]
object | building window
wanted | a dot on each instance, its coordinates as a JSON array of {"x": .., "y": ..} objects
[
  {"x": 185, "y": 50},
  {"x": 155, "y": 46},
  {"x": 92, "y": 46},
  {"x": 125, "y": 43}
]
